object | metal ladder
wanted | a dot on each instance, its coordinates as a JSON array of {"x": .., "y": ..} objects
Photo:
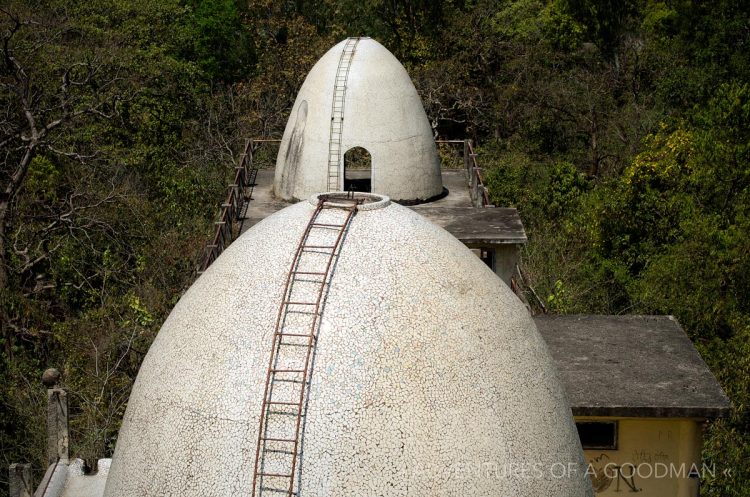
[
  {"x": 337, "y": 113},
  {"x": 294, "y": 339}
]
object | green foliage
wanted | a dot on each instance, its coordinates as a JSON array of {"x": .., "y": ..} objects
[
  {"x": 221, "y": 44},
  {"x": 531, "y": 21},
  {"x": 685, "y": 241},
  {"x": 519, "y": 21},
  {"x": 659, "y": 18},
  {"x": 113, "y": 212},
  {"x": 687, "y": 192},
  {"x": 566, "y": 185},
  {"x": 620, "y": 130},
  {"x": 663, "y": 225},
  {"x": 560, "y": 29},
  {"x": 604, "y": 20},
  {"x": 408, "y": 27},
  {"x": 540, "y": 190},
  {"x": 559, "y": 301},
  {"x": 43, "y": 178},
  {"x": 515, "y": 179},
  {"x": 677, "y": 226},
  {"x": 728, "y": 441}
]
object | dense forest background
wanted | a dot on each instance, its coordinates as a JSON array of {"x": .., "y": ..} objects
[{"x": 619, "y": 129}]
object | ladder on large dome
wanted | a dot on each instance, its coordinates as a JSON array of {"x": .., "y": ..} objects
[
  {"x": 294, "y": 340},
  {"x": 337, "y": 114}
]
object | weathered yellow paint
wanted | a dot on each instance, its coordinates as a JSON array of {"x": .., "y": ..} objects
[{"x": 654, "y": 458}]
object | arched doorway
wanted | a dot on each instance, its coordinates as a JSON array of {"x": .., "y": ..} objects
[{"x": 357, "y": 170}]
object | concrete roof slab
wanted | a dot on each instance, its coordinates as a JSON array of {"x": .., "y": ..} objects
[{"x": 643, "y": 366}]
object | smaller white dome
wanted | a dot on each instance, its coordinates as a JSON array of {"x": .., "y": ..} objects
[{"x": 381, "y": 113}]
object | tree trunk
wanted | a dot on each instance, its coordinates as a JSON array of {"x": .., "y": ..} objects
[
  {"x": 3, "y": 266},
  {"x": 7, "y": 197},
  {"x": 5, "y": 330},
  {"x": 595, "y": 159}
]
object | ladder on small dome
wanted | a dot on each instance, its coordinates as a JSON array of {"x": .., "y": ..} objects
[
  {"x": 337, "y": 114},
  {"x": 294, "y": 340}
]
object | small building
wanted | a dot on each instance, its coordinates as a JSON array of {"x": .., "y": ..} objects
[{"x": 640, "y": 395}]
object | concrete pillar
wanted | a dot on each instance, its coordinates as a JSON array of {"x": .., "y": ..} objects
[
  {"x": 506, "y": 258},
  {"x": 57, "y": 425},
  {"x": 19, "y": 480}
]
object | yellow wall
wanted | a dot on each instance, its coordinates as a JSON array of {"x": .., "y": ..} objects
[{"x": 658, "y": 448}]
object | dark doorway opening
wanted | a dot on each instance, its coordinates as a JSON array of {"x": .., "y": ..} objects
[{"x": 357, "y": 170}]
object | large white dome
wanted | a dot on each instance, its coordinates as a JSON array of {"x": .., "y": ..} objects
[
  {"x": 382, "y": 113},
  {"x": 429, "y": 375}
]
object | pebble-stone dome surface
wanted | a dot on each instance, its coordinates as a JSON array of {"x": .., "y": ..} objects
[
  {"x": 383, "y": 114},
  {"x": 430, "y": 378}
]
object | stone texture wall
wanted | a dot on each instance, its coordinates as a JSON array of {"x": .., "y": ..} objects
[{"x": 429, "y": 375}]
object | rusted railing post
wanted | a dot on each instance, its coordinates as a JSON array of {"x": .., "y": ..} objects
[
  {"x": 467, "y": 162},
  {"x": 19, "y": 480},
  {"x": 248, "y": 162},
  {"x": 249, "y": 169}
]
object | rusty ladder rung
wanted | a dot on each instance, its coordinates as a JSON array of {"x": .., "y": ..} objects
[
  {"x": 326, "y": 225},
  {"x": 296, "y": 344},
  {"x": 296, "y": 335},
  {"x": 277, "y": 490}
]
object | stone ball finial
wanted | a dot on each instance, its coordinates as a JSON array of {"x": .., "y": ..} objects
[{"x": 50, "y": 377}]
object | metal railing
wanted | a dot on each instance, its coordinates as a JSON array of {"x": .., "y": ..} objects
[
  {"x": 479, "y": 194},
  {"x": 229, "y": 226}
]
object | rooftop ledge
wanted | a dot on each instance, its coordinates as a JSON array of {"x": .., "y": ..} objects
[
  {"x": 631, "y": 366},
  {"x": 475, "y": 227}
]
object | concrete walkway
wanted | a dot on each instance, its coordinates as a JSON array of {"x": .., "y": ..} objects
[{"x": 454, "y": 212}]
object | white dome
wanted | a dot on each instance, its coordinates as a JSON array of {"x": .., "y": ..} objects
[
  {"x": 429, "y": 375},
  {"x": 382, "y": 113}
]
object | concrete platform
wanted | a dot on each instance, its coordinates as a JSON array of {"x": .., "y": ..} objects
[
  {"x": 631, "y": 366},
  {"x": 262, "y": 201},
  {"x": 475, "y": 227}
]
